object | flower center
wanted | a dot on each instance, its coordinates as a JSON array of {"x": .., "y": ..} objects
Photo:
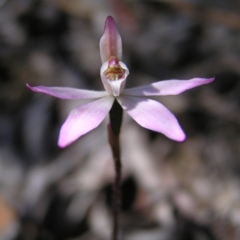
[{"x": 114, "y": 71}]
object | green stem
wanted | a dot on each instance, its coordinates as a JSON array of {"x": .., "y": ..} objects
[{"x": 114, "y": 128}]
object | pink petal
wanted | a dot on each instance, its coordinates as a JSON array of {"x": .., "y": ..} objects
[
  {"x": 110, "y": 42},
  {"x": 167, "y": 87},
  {"x": 68, "y": 93},
  {"x": 83, "y": 119},
  {"x": 152, "y": 115}
]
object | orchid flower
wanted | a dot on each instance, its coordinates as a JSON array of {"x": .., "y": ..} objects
[{"x": 146, "y": 112}]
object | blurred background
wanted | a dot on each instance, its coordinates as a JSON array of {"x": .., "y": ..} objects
[{"x": 171, "y": 191}]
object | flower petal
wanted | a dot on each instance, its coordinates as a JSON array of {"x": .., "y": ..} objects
[
  {"x": 83, "y": 119},
  {"x": 68, "y": 93},
  {"x": 167, "y": 87},
  {"x": 152, "y": 115},
  {"x": 114, "y": 87},
  {"x": 110, "y": 42}
]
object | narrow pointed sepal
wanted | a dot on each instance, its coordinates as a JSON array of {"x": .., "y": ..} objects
[
  {"x": 167, "y": 87},
  {"x": 68, "y": 93},
  {"x": 83, "y": 119},
  {"x": 152, "y": 115},
  {"x": 110, "y": 42}
]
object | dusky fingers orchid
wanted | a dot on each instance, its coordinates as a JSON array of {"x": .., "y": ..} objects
[{"x": 148, "y": 113}]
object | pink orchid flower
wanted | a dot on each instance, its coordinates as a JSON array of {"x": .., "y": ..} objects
[{"x": 148, "y": 113}]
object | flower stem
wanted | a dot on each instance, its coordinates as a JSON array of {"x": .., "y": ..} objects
[{"x": 114, "y": 128}]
